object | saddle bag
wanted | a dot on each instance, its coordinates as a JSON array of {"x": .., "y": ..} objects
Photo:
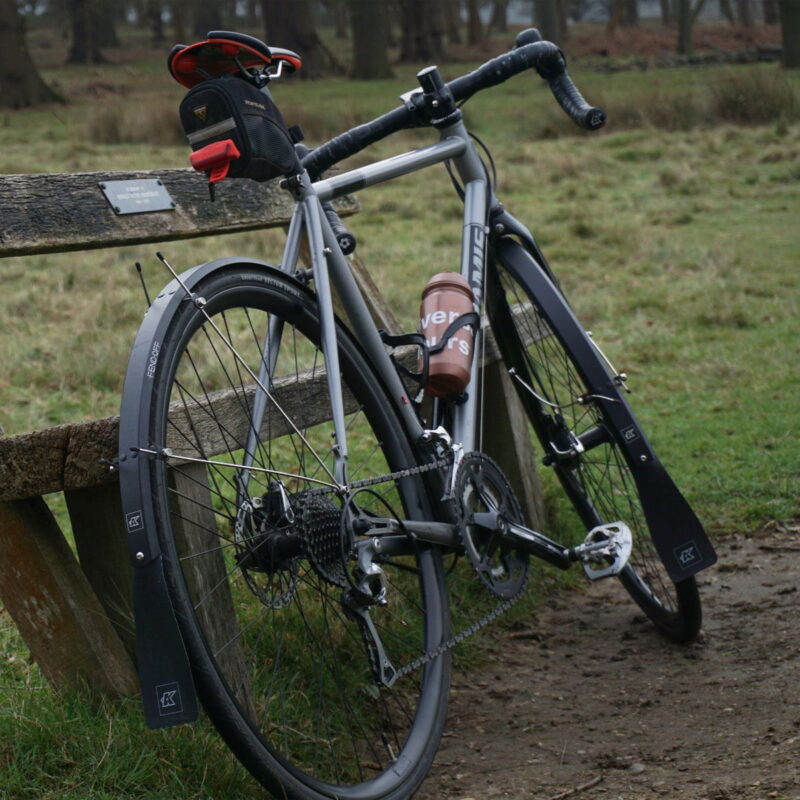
[{"x": 228, "y": 108}]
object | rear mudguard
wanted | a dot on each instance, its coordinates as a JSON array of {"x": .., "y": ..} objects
[
  {"x": 168, "y": 690},
  {"x": 678, "y": 536}
]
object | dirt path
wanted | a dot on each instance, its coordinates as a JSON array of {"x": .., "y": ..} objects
[{"x": 594, "y": 704}]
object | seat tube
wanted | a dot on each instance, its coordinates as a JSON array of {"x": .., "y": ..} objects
[
  {"x": 312, "y": 211},
  {"x": 268, "y": 358}
]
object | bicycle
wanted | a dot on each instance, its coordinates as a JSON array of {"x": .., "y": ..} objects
[{"x": 288, "y": 507}]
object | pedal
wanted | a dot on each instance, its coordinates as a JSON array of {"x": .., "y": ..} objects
[{"x": 606, "y": 550}]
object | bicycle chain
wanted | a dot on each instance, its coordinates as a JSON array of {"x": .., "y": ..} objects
[
  {"x": 459, "y": 637},
  {"x": 470, "y": 630}
]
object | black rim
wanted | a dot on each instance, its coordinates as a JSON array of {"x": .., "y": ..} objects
[{"x": 260, "y": 591}]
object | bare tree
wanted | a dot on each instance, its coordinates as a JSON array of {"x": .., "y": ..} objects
[
  {"x": 624, "y": 13},
  {"x": 179, "y": 19},
  {"x": 207, "y": 16},
  {"x": 744, "y": 10},
  {"x": 666, "y": 13},
  {"x": 153, "y": 10},
  {"x": 20, "y": 82},
  {"x": 290, "y": 24},
  {"x": 770, "y": 12},
  {"x": 422, "y": 23},
  {"x": 498, "y": 22},
  {"x": 687, "y": 16},
  {"x": 546, "y": 19},
  {"x": 369, "y": 23},
  {"x": 474, "y": 25},
  {"x": 790, "y": 32},
  {"x": 727, "y": 11},
  {"x": 85, "y": 42},
  {"x": 339, "y": 9},
  {"x": 451, "y": 11}
]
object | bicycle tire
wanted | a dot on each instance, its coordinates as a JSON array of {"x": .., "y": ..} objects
[
  {"x": 282, "y": 671},
  {"x": 561, "y": 403}
]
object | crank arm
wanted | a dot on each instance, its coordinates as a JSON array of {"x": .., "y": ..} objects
[{"x": 541, "y": 546}]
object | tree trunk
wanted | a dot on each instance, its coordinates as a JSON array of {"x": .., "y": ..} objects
[
  {"x": 696, "y": 13},
  {"x": 744, "y": 10},
  {"x": 179, "y": 20},
  {"x": 790, "y": 32},
  {"x": 422, "y": 23},
  {"x": 546, "y": 20},
  {"x": 368, "y": 21},
  {"x": 563, "y": 27},
  {"x": 727, "y": 11},
  {"x": 85, "y": 47},
  {"x": 451, "y": 11},
  {"x": 474, "y": 26},
  {"x": 20, "y": 83},
  {"x": 666, "y": 13},
  {"x": 252, "y": 13},
  {"x": 615, "y": 16},
  {"x": 231, "y": 16},
  {"x": 770, "y": 12},
  {"x": 340, "y": 17},
  {"x": 153, "y": 10},
  {"x": 684, "y": 11},
  {"x": 498, "y": 22},
  {"x": 630, "y": 13},
  {"x": 290, "y": 24},
  {"x": 105, "y": 17},
  {"x": 207, "y": 17}
]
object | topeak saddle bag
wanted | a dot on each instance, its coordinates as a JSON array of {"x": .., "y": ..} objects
[{"x": 239, "y": 129}]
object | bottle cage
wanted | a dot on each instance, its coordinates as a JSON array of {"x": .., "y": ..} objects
[
  {"x": 226, "y": 51},
  {"x": 426, "y": 350}
]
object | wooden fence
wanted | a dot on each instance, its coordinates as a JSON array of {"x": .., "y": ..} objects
[{"x": 73, "y": 609}]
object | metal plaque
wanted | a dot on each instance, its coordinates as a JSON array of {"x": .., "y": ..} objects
[{"x": 137, "y": 196}]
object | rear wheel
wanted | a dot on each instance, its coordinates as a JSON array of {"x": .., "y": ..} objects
[
  {"x": 259, "y": 561},
  {"x": 582, "y": 447}
]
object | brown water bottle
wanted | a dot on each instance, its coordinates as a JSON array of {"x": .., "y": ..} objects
[{"x": 444, "y": 299}]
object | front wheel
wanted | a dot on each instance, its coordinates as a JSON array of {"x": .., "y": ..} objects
[
  {"x": 580, "y": 442},
  {"x": 258, "y": 561}
]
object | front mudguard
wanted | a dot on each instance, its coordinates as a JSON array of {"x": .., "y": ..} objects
[{"x": 679, "y": 538}]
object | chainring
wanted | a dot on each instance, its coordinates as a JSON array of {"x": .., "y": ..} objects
[{"x": 481, "y": 490}]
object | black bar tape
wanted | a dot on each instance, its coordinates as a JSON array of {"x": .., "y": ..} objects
[
  {"x": 353, "y": 141},
  {"x": 548, "y": 60},
  {"x": 545, "y": 57},
  {"x": 347, "y": 242},
  {"x": 570, "y": 99}
]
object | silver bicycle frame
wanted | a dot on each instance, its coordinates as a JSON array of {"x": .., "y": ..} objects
[{"x": 330, "y": 265}]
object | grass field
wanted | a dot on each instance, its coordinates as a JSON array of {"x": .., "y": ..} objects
[{"x": 674, "y": 232}]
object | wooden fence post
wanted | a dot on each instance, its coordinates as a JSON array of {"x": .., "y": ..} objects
[
  {"x": 53, "y": 606},
  {"x": 100, "y": 539},
  {"x": 506, "y": 438}
]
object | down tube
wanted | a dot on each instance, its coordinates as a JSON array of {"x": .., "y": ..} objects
[
  {"x": 473, "y": 260},
  {"x": 366, "y": 333}
]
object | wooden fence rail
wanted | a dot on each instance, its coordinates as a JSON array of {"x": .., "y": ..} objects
[{"x": 74, "y": 613}]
